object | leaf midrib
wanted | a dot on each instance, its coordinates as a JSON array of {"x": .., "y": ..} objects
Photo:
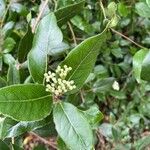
[
  {"x": 82, "y": 61},
  {"x": 29, "y": 100},
  {"x": 82, "y": 141}
]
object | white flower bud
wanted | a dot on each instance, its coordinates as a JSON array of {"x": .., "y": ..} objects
[{"x": 115, "y": 86}]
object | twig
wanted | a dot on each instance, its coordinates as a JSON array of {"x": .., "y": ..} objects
[
  {"x": 52, "y": 144},
  {"x": 127, "y": 38},
  {"x": 82, "y": 97},
  {"x": 103, "y": 10},
  {"x": 73, "y": 34},
  {"x": 39, "y": 16}
]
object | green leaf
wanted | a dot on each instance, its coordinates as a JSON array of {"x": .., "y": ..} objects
[
  {"x": 64, "y": 14},
  {"x": 3, "y": 146},
  {"x": 25, "y": 45},
  {"x": 93, "y": 115},
  {"x": 24, "y": 126},
  {"x": 47, "y": 37},
  {"x": 83, "y": 57},
  {"x": 16, "y": 147},
  {"x": 72, "y": 127},
  {"x": 2, "y": 8},
  {"x": 61, "y": 145},
  {"x": 143, "y": 143},
  {"x": 2, "y": 82},
  {"x": 122, "y": 9},
  {"x": 13, "y": 76},
  {"x": 9, "y": 44},
  {"x": 5, "y": 124},
  {"x": 25, "y": 102},
  {"x": 19, "y": 8},
  {"x": 142, "y": 9},
  {"x": 148, "y": 2},
  {"x": 140, "y": 59}
]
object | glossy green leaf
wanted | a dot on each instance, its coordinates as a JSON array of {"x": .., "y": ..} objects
[
  {"x": 25, "y": 45},
  {"x": 140, "y": 59},
  {"x": 72, "y": 127},
  {"x": 24, "y": 126},
  {"x": 64, "y": 14},
  {"x": 82, "y": 58},
  {"x": 47, "y": 37},
  {"x": 142, "y": 9},
  {"x": 25, "y": 102},
  {"x": 5, "y": 124}
]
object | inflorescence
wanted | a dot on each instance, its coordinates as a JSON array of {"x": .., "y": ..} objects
[{"x": 56, "y": 82}]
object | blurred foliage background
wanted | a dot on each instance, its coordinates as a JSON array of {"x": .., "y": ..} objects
[{"x": 111, "y": 87}]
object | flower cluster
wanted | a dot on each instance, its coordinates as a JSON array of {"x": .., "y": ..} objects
[{"x": 56, "y": 82}]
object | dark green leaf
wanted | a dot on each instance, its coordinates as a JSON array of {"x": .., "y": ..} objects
[
  {"x": 3, "y": 146},
  {"x": 2, "y": 82},
  {"x": 25, "y": 102},
  {"x": 72, "y": 127},
  {"x": 47, "y": 37},
  {"x": 25, "y": 45},
  {"x": 64, "y": 14},
  {"x": 83, "y": 57},
  {"x": 61, "y": 145}
]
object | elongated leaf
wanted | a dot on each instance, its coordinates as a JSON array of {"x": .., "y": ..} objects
[
  {"x": 2, "y": 8},
  {"x": 47, "y": 37},
  {"x": 64, "y": 14},
  {"x": 140, "y": 59},
  {"x": 83, "y": 57},
  {"x": 25, "y": 45},
  {"x": 72, "y": 127},
  {"x": 24, "y": 126},
  {"x": 25, "y": 102},
  {"x": 13, "y": 76}
]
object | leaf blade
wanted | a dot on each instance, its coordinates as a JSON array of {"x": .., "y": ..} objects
[{"x": 74, "y": 130}]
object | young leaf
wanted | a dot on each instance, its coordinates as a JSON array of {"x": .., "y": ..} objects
[
  {"x": 64, "y": 14},
  {"x": 139, "y": 60},
  {"x": 72, "y": 127},
  {"x": 25, "y": 102},
  {"x": 83, "y": 57},
  {"x": 47, "y": 37}
]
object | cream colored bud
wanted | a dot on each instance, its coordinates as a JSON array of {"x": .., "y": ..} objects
[
  {"x": 115, "y": 86},
  {"x": 71, "y": 82}
]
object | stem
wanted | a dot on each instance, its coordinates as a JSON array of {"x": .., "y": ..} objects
[
  {"x": 52, "y": 144},
  {"x": 127, "y": 38},
  {"x": 73, "y": 34},
  {"x": 4, "y": 16},
  {"x": 39, "y": 16},
  {"x": 103, "y": 10}
]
